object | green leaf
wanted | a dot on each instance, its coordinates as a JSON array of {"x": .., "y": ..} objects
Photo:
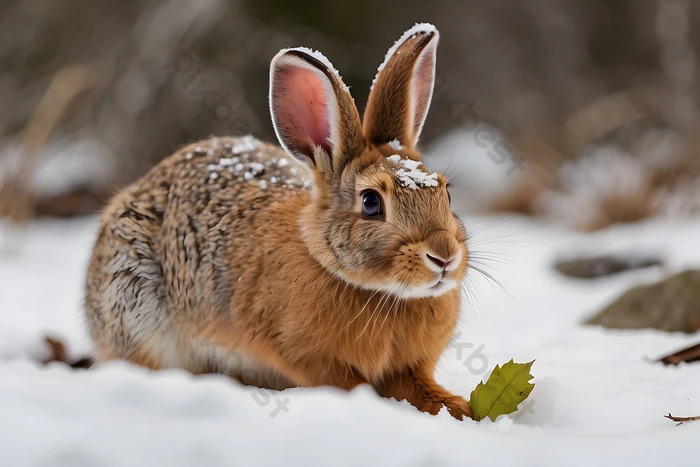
[{"x": 505, "y": 389}]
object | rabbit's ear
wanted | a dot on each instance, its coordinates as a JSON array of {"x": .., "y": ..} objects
[
  {"x": 401, "y": 93},
  {"x": 313, "y": 114}
]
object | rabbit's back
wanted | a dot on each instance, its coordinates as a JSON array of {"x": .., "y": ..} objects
[{"x": 170, "y": 247}]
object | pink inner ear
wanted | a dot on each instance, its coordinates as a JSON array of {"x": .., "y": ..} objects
[
  {"x": 303, "y": 100},
  {"x": 423, "y": 77}
]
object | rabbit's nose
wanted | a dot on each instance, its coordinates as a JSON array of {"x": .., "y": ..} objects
[
  {"x": 442, "y": 252},
  {"x": 442, "y": 263}
]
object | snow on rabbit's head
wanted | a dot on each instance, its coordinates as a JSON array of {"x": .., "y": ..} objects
[{"x": 379, "y": 218}]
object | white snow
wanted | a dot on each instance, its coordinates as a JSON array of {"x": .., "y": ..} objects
[
  {"x": 607, "y": 172},
  {"x": 480, "y": 162},
  {"x": 226, "y": 161},
  {"x": 246, "y": 171},
  {"x": 256, "y": 167},
  {"x": 247, "y": 144},
  {"x": 410, "y": 173},
  {"x": 62, "y": 165},
  {"x": 476, "y": 175},
  {"x": 589, "y": 181},
  {"x": 395, "y": 144},
  {"x": 598, "y": 400}
]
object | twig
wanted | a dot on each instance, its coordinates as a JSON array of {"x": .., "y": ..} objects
[
  {"x": 58, "y": 354},
  {"x": 681, "y": 420},
  {"x": 690, "y": 354}
]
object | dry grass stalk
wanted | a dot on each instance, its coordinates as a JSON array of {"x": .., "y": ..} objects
[{"x": 16, "y": 197}]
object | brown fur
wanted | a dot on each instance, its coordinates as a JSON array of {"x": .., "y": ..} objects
[
  {"x": 387, "y": 115},
  {"x": 277, "y": 284}
]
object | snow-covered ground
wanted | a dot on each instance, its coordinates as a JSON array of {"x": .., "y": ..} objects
[{"x": 598, "y": 400}]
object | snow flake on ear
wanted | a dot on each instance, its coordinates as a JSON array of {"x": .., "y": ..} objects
[
  {"x": 395, "y": 144},
  {"x": 410, "y": 173}
]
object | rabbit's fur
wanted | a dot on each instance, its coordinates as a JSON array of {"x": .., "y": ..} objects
[{"x": 230, "y": 256}]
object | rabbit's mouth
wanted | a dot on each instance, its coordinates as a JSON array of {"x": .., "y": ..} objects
[
  {"x": 433, "y": 289},
  {"x": 442, "y": 285}
]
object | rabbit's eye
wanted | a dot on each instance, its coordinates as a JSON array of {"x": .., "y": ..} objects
[
  {"x": 449, "y": 198},
  {"x": 371, "y": 204}
]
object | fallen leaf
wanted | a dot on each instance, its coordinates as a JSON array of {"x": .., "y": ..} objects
[{"x": 505, "y": 389}]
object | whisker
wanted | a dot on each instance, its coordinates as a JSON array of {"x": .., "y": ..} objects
[
  {"x": 497, "y": 254},
  {"x": 488, "y": 276},
  {"x": 405, "y": 235},
  {"x": 363, "y": 309},
  {"x": 380, "y": 304},
  {"x": 492, "y": 280},
  {"x": 475, "y": 303},
  {"x": 498, "y": 241},
  {"x": 398, "y": 297},
  {"x": 454, "y": 185},
  {"x": 449, "y": 164},
  {"x": 486, "y": 227},
  {"x": 486, "y": 262},
  {"x": 462, "y": 162}
]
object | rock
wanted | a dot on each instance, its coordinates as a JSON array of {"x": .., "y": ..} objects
[
  {"x": 670, "y": 305},
  {"x": 598, "y": 266}
]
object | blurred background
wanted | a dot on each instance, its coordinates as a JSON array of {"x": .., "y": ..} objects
[
  {"x": 580, "y": 112},
  {"x": 569, "y": 130}
]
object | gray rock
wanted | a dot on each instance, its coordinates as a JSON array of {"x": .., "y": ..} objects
[
  {"x": 598, "y": 266},
  {"x": 670, "y": 305}
]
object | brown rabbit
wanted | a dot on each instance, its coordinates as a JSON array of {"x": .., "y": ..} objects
[{"x": 339, "y": 266}]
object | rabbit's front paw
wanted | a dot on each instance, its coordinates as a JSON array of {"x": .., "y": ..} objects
[
  {"x": 458, "y": 407},
  {"x": 420, "y": 389}
]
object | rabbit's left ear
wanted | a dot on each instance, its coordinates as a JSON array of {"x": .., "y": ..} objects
[{"x": 403, "y": 88}]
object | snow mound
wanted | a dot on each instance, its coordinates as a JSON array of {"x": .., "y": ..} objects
[{"x": 598, "y": 400}]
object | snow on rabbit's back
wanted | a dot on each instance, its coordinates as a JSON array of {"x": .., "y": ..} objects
[{"x": 340, "y": 265}]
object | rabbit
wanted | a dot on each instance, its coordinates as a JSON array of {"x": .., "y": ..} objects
[{"x": 333, "y": 259}]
